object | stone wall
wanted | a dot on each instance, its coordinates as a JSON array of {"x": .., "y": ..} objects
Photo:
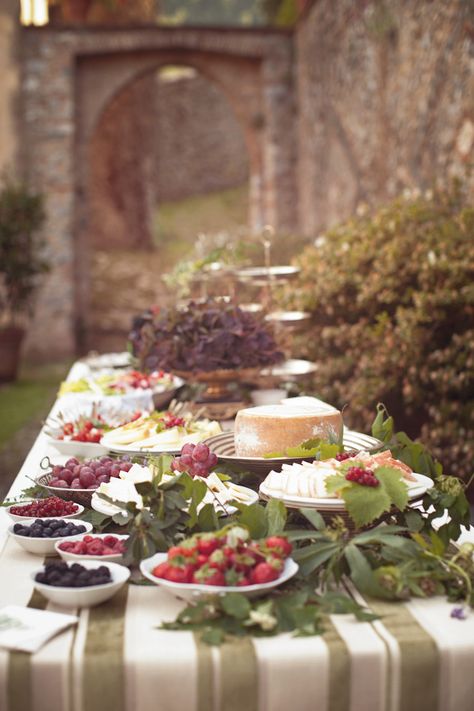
[
  {"x": 9, "y": 84},
  {"x": 200, "y": 147},
  {"x": 386, "y": 101}
]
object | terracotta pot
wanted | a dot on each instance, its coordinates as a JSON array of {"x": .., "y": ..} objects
[
  {"x": 75, "y": 11},
  {"x": 10, "y": 344}
]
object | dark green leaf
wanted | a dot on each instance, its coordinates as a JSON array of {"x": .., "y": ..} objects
[
  {"x": 275, "y": 514},
  {"x": 236, "y": 605}
]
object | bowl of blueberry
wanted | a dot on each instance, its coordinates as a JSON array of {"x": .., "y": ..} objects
[
  {"x": 41, "y": 535},
  {"x": 79, "y": 584}
]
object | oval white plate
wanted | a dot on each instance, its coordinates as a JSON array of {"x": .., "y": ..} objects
[
  {"x": 108, "y": 509},
  {"x": 190, "y": 591},
  {"x": 415, "y": 489}
]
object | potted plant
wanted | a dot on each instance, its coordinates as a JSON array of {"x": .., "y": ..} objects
[{"x": 21, "y": 262}]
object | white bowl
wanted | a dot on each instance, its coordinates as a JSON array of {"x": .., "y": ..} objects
[
  {"x": 191, "y": 591},
  {"x": 71, "y": 448},
  {"x": 87, "y": 596},
  {"x": 270, "y": 396},
  {"x": 19, "y": 519},
  {"x": 78, "y": 558},
  {"x": 45, "y": 546}
]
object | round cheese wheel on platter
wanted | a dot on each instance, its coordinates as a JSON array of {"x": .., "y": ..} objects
[{"x": 271, "y": 429}]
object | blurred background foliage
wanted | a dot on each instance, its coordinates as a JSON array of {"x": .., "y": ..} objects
[{"x": 392, "y": 298}]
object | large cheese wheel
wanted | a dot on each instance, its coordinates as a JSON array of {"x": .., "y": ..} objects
[{"x": 272, "y": 429}]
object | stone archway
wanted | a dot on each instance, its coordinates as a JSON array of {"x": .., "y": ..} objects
[{"x": 69, "y": 78}]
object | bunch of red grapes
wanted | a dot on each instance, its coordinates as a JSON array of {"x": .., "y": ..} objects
[
  {"x": 195, "y": 460},
  {"x": 89, "y": 474}
]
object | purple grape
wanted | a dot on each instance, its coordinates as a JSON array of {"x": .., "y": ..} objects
[
  {"x": 200, "y": 469},
  {"x": 201, "y": 453},
  {"x": 187, "y": 448}
]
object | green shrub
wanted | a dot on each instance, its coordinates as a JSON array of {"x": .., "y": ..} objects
[{"x": 392, "y": 297}]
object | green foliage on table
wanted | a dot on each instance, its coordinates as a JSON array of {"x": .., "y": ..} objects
[
  {"x": 392, "y": 297},
  {"x": 295, "y": 608},
  {"x": 448, "y": 494}
]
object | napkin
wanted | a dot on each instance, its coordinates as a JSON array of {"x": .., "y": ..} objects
[{"x": 27, "y": 629}]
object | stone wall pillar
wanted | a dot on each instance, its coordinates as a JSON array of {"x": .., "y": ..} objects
[
  {"x": 279, "y": 145},
  {"x": 9, "y": 84},
  {"x": 48, "y": 139}
]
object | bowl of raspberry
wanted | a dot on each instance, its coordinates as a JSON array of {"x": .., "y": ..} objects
[
  {"x": 44, "y": 508},
  {"x": 99, "y": 546},
  {"x": 40, "y": 536}
]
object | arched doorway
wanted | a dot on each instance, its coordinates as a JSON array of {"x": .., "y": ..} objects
[
  {"x": 72, "y": 75},
  {"x": 167, "y": 161}
]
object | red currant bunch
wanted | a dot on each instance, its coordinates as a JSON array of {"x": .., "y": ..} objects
[
  {"x": 362, "y": 476},
  {"x": 342, "y": 456}
]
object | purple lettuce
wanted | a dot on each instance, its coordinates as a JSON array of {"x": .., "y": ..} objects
[{"x": 205, "y": 336}]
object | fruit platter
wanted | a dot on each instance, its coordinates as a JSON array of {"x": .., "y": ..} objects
[
  {"x": 159, "y": 432},
  {"x": 133, "y": 387},
  {"x": 79, "y": 431},
  {"x": 222, "y": 562}
]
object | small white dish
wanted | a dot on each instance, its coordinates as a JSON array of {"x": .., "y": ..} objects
[
  {"x": 271, "y": 396},
  {"x": 87, "y": 596},
  {"x": 45, "y": 546},
  {"x": 79, "y": 557},
  {"x": 20, "y": 519},
  {"x": 191, "y": 591},
  {"x": 71, "y": 448}
]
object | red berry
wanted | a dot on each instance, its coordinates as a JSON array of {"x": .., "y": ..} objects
[
  {"x": 279, "y": 545},
  {"x": 263, "y": 573}
]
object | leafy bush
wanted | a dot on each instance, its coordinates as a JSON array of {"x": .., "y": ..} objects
[
  {"x": 202, "y": 336},
  {"x": 393, "y": 301},
  {"x": 21, "y": 261}
]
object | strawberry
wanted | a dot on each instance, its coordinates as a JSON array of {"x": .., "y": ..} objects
[
  {"x": 201, "y": 560},
  {"x": 279, "y": 546},
  {"x": 206, "y": 546},
  {"x": 174, "y": 552},
  {"x": 209, "y": 577},
  {"x": 161, "y": 570},
  {"x": 243, "y": 581},
  {"x": 181, "y": 574},
  {"x": 263, "y": 573},
  {"x": 218, "y": 560}
]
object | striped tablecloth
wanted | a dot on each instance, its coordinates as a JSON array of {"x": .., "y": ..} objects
[{"x": 415, "y": 658}]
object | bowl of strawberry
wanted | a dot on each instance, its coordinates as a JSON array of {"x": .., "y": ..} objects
[
  {"x": 44, "y": 508},
  {"x": 76, "y": 480},
  {"x": 225, "y": 561},
  {"x": 99, "y": 546}
]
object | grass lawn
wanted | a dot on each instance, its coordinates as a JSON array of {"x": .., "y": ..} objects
[
  {"x": 23, "y": 407},
  {"x": 33, "y": 392}
]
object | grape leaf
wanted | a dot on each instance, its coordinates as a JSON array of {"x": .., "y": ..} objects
[
  {"x": 394, "y": 484},
  {"x": 364, "y": 503},
  {"x": 336, "y": 483}
]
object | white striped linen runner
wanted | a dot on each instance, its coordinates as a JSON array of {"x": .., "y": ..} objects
[{"x": 169, "y": 671}]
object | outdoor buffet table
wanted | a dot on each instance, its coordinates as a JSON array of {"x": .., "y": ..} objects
[{"x": 415, "y": 657}]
